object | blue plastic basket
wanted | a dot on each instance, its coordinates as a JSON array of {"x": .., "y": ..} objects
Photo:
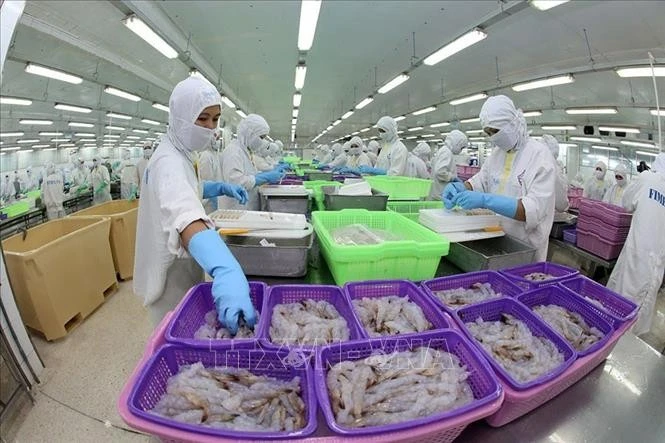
[{"x": 560, "y": 273}]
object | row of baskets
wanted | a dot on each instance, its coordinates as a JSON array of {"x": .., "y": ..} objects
[{"x": 602, "y": 228}]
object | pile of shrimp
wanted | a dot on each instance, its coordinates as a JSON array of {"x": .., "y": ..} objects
[
  {"x": 213, "y": 330},
  {"x": 539, "y": 276},
  {"x": 390, "y": 315},
  {"x": 307, "y": 322},
  {"x": 569, "y": 324},
  {"x": 460, "y": 297}
]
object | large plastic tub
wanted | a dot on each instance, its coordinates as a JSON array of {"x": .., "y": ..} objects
[
  {"x": 411, "y": 209},
  {"x": 493, "y": 253},
  {"x": 400, "y": 188},
  {"x": 597, "y": 245},
  {"x": 123, "y": 215},
  {"x": 607, "y": 232},
  {"x": 416, "y": 257},
  {"x": 334, "y": 202},
  {"x": 319, "y": 175},
  {"x": 287, "y": 258},
  {"x": 485, "y": 387},
  {"x": 291, "y": 204},
  {"x": 609, "y": 214},
  {"x": 61, "y": 271},
  {"x": 559, "y": 273}
]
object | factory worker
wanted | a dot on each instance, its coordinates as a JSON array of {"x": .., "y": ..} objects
[
  {"x": 561, "y": 187},
  {"x": 276, "y": 151},
  {"x": 578, "y": 181},
  {"x": 444, "y": 169},
  {"x": 336, "y": 158},
  {"x": 209, "y": 169},
  {"x": 393, "y": 156},
  {"x": 53, "y": 193},
  {"x": 101, "y": 183},
  {"x": 357, "y": 157},
  {"x": 262, "y": 160},
  {"x": 237, "y": 164},
  {"x": 642, "y": 166},
  {"x": 143, "y": 162},
  {"x": 7, "y": 191},
  {"x": 596, "y": 186},
  {"x": 129, "y": 177},
  {"x": 19, "y": 187},
  {"x": 614, "y": 193},
  {"x": 174, "y": 236},
  {"x": 516, "y": 181},
  {"x": 31, "y": 181},
  {"x": 326, "y": 155},
  {"x": 638, "y": 273},
  {"x": 416, "y": 163},
  {"x": 373, "y": 151},
  {"x": 80, "y": 177}
]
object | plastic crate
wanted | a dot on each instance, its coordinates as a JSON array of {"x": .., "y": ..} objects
[
  {"x": 400, "y": 188},
  {"x": 597, "y": 245},
  {"x": 555, "y": 295},
  {"x": 574, "y": 202},
  {"x": 570, "y": 235},
  {"x": 615, "y": 308},
  {"x": 283, "y": 294},
  {"x": 499, "y": 283},
  {"x": 485, "y": 387},
  {"x": 560, "y": 272},
  {"x": 318, "y": 175},
  {"x": 317, "y": 188},
  {"x": 400, "y": 288},
  {"x": 411, "y": 209},
  {"x": 609, "y": 214},
  {"x": 416, "y": 257},
  {"x": 334, "y": 202},
  {"x": 491, "y": 310},
  {"x": 575, "y": 192},
  {"x": 604, "y": 231},
  {"x": 287, "y": 258},
  {"x": 189, "y": 315}
]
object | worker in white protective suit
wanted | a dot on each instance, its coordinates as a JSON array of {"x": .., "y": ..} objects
[
  {"x": 7, "y": 191},
  {"x": 444, "y": 169},
  {"x": 393, "y": 156},
  {"x": 80, "y": 178},
  {"x": 561, "y": 186},
  {"x": 238, "y": 167},
  {"x": 101, "y": 183},
  {"x": 276, "y": 152},
  {"x": 373, "y": 151},
  {"x": 614, "y": 194},
  {"x": 53, "y": 193},
  {"x": 175, "y": 238},
  {"x": 338, "y": 154},
  {"x": 638, "y": 273},
  {"x": 578, "y": 181},
  {"x": 31, "y": 181},
  {"x": 326, "y": 155},
  {"x": 416, "y": 163},
  {"x": 357, "y": 156},
  {"x": 262, "y": 160},
  {"x": 516, "y": 181},
  {"x": 209, "y": 168},
  {"x": 142, "y": 164},
  {"x": 596, "y": 186},
  {"x": 129, "y": 177}
]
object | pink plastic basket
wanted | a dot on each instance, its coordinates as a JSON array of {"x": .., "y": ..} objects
[
  {"x": 560, "y": 273},
  {"x": 400, "y": 288},
  {"x": 574, "y": 202},
  {"x": 575, "y": 192},
  {"x": 596, "y": 245},
  {"x": 609, "y": 214},
  {"x": 556, "y": 295},
  {"x": 190, "y": 313},
  {"x": 607, "y": 232},
  {"x": 483, "y": 383},
  {"x": 518, "y": 403}
]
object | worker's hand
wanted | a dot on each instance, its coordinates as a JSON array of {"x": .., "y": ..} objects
[
  {"x": 322, "y": 166},
  {"x": 282, "y": 167},
  {"x": 450, "y": 191},
  {"x": 371, "y": 170},
  {"x": 470, "y": 200},
  {"x": 501, "y": 204},
  {"x": 272, "y": 177},
  {"x": 346, "y": 170},
  {"x": 217, "y": 189}
]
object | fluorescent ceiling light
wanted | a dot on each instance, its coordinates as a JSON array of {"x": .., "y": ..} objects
[
  {"x": 586, "y": 139},
  {"x": 364, "y": 103},
  {"x": 645, "y": 71},
  {"x": 64, "y": 107},
  {"x": 51, "y": 134},
  {"x": 13, "y": 148},
  {"x": 604, "y": 148},
  {"x": 559, "y": 128},
  {"x": 78, "y": 134},
  {"x": 35, "y": 122},
  {"x": 424, "y": 110},
  {"x": 240, "y": 113},
  {"x": 417, "y": 128},
  {"x": 533, "y": 113},
  {"x": 59, "y": 140},
  {"x": 438, "y": 125},
  {"x": 111, "y": 136},
  {"x": 656, "y": 113},
  {"x": 144, "y": 31},
  {"x": 474, "y": 131},
  {"x": 80, "y": 125},
  {"x": 544, "y": 5},
  {"x": 355, "y": 133},
  {"x": 15, "y": 101},
  {"x": 301, "y": 72},
  {"x": 637, "y": 144},
  {"x": 543, "y": 83},
  {"x": 477, "y": 138},
  {"x": 161, "y": 107},
  {"x": 140, "y": 131},
  {"x": 122, "y": 94},
  {"x": 470, "y": 98},
  {"x": 294, "y": 121},
  {"x": 619, "y": 129},
  {"x": 347, "y": 115},
  {"x": 337, "y": 122},
  {"x": 470, "y": 120},
  {"x": 294, "y": 113},
  {"x": 227, "y": 101},
  {"x": 455, "y": 46},
  {"x": 11, "y": 134},
  {"x": 25, "y": 150},
  {"x": 365, "y": 130},
  {"x": 88, "y": 140},
  {"x": 297, "y": 98},
  {"x": 120, "y": 116},
  {"x": 392, "y": 84},
  {"x": 309, "y": 15},
  {"x": 567, "y": 145},
  {"x": 26, "y": 141},
  {"x": 652, "y": 154},
  {"x": 150, "y": 122},
  {"x": 400, "y": 132},
  {"x": 428, "y": 135},
  {"x": 330, "y": 127},
  {"x": 115, "y": 128},
  {"x": 400, "y": 118},
  {"x": 578, "y": 111},
  {"x": 411, "y": 137},
  {"x": 31, "y": 68},
  {"x": 159, "y": 133},
  {"x": 40, "y": 146},
  {"x": 66, "y": 145}
]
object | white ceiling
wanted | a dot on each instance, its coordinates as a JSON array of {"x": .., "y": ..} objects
[{"x": 254, "y": 44}]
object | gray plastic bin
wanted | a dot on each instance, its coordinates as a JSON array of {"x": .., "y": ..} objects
[
  {"x": 492, "y": 253},
  {"x": 293, "y": 204},
  {"x": 333, "y": 202},
  {"x": 288, "y": 258}
]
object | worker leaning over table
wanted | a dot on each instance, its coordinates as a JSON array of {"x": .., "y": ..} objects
[
  {"x": 174, "y": 236},
  {"x": 517, "y": 180}
]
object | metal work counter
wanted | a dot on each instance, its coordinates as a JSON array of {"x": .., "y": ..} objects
[
  {"x": 26, "y": 220},
  {"x": 594, "y": 261}
]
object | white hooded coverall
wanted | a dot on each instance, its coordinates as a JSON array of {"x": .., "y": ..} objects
[
  {"x": 210, "y": 169},
  {"x": 561, "y": 187},
  {"x": 99, "y": 175},
  {"x": 356, "y": 156},
  {"x": 444, "y": 169},
  {"x": 596, "y": 186},
  {"x": 394, "y": 154},
  {"x": 373, "y": 151},
  {"x": 53, "y": 193},
  {"x": 614, "y": 194}
]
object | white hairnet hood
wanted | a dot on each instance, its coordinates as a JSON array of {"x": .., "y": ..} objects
[
  {"x": 389, "y": 125},
  {"x": 500, "y": 113},
  {"x": 456, "y": 141},
  {"x": 621, "y": 170},
  {"x": 250, "y": 130},
  {"x": 422, "y": 150},
  {"x": 552, "y": 143},
  {"x": 356, "y": 146},
  {"x": 374, "y": 146}
]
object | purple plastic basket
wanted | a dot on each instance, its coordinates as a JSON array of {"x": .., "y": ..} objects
[
  {"x": 609, "y": 214},
  {"x": 291, "y": 181},
  {"x": 570, "y": 235},
  {"x": 491, "y": 310},
  {"x": 616, "y": 308},
  {"x": 282, "y": 294},
  {"x": 499, "y": 283},
  {"x": 605, "y": 231},
  {"x": 189, "y": 317},
  {"x": 400, "y": 288},
  {"x": 484, "y": 385},
  {"x": 556, "y": 295},
  {"x": 597, "y": 245},
  {"x": 560, "y": 273},
  {"x": 151, "y": 384}
]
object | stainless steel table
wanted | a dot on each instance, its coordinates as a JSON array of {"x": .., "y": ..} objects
[{"x": 594, "y": 261}]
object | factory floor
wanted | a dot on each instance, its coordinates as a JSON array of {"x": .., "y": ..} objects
[{"x": 86, "y": 371}]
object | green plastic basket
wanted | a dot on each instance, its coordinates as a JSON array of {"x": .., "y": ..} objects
[
  {"x": 410, "y": 209},
  {"x": 414, "y": 258},
  {"x": 316, "y": 186},
  {"x": 15, "y": 209},
  {"x": 34, "y": 194},
  {"x": 400, "y": 188}
]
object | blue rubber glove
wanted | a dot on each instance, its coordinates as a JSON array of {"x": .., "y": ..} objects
[
  {"x": 272, "y": 177},
  {"x": 449, "y": 193},
  {"x": 230, "y": 290},
  {"x": 322, "y": 166},
  {"x": 506, "y": 206},
  {"x": 315, "y": 161},
  {"x": 371, "y": 170},
  {"x": 281, "y": 167},
  {"x": 217, "y": 189},
  {"x": 346, "y": 170}
]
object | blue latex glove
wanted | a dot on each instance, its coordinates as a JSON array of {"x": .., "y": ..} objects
[
  {"x": 449, "y": 193},
  {"x": 322, "y": 166},
  {"x": 217, "y": 189},
  {"x": 346, "y": 170},
  {"x": 506, "y": 206},
  {"x": 230, "y": 290},
  {"x": 281, "y": 167},
  {"x": 371, "y": 170},
  {"x": 272, "y": 177},
  {"x": 315, "y": 161}
]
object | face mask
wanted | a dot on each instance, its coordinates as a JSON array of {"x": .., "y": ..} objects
[
  {"x": 384, "y": 136},
  {"x": 200, "y": 138},
  {"x": 355, "y": 150},
  {"x": 147, "y": 153},
  {"x": 599, "y": 175},
  {"x": 257, "y": 144},
  {"x": 504, "y": 139}
]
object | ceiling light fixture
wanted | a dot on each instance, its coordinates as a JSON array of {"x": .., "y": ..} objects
[
  {"x": 164, "y": 108},
  {"x": 294, "y": 113},
  {"x": 392, "y": 84},
  {"x": 13, "y": 148},
  {"x": 294, "y": 121},
  {"x": 637, "y": 144},
  {"x": 652, "y": 154},
  {"x": 412, "y": 137},
  {"x": 227, "y": 101},
  {"x": 474, "y": 131},
  {"x": 656, "y": 113},
  {"x": 122, "y": 94},
  {"x": 604, "y": 148},
  {"x": 533, "y": 113},
  {"x": 658, "y": 71},
  {"x": 559, "y": 128},
  {"x": 59, "y": 140},
  {"x": 140, "y": 131},
  {"x": 80, "y": 125},
  {"x": 364, "y": 102},
  {"x": 115, "y": 128},
  {"x": 619, "y": 129},
  {"x": 301, "y": 72},
  {"x": 32, "y": 140},
  {"x": 309, "y": 16},
  {"x": 457, "y": 45},
  {"x": 11, "y": 134},
  {"x": 347, "y": 115},
  {"x": 470, "y": 98},
  {"x": 297, "y": 98},
  {"x": 138, "y": 27},
  {"x": 587, "y": 139},
  {"x": 15, "y": 101},
  {"x": 111, "y": 136},
  {"x": 78, "y": 134},
  {"x": 336, "y": 122},
  {"x": 400, "y": 118},
  {"x": 25, "y": 150},
  {"x": 567, "y": 145},
  {"x": 477, "y": 138},
  {"x": 544, "y": 83},
  {"x": 50, "y": 134},
  {"x": 241, "y": 113},
  {"x": 417, "y": 128},
  {"x": 365, "y": 130},
  {"x": 150, "y": 122},
  {"x": 35, "y": 122},
  {"x": 40, "y": 146},
  {"x": 120, "y": 116},
  {"x": 428, "y": 135},
  {"x": 544, "y": 5},
  {"x": 64, "y": 107},
  {"x": 470, "y": 120},
  {"x": 438, "y": 125},
  {"x": 424, "y": 110},
  {"x": 32, "y": 68},
  {"x": 582, "y": 111}
]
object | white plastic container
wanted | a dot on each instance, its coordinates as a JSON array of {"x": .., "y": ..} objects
[{"x": 444, "y": 220}]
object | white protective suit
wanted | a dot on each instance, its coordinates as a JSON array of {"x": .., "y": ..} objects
[
  {"x": 638, "y": 273},
  {"x": 561, "y": 187},
  {"x": 276, "y": 150},
  {"x": 373, "y": 151},
  {"x": 614, "y": 194},
  {"x": 596, "y": 186},
  {"x": 444, "y": 169},
  {"x": 338, "y": 155},
  {"x": 31, "y": 181},
  {"x": 53, "y": 193},
  {"x": 170, "y": 201},
  {"x": 357, "y": 156},
  {"x": 262, "y": 160},
  {"x": 327, "y": 154},
  {"x": 237, "y": 161},
  {"x": 527, "y": 172},
  {"x": 578, "y": 181},
  {"x": 210, "y": 169},
  {"x": 416, "y": 163},
  {"x": 80, "y": 175},
  {"x": 101, "y": 184},
  {"x": 393, "y": 155},
  {"x": 142, "y": 164},
  {"x": 129, "y": 178},
  {"x": 7, "y": 191}
]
